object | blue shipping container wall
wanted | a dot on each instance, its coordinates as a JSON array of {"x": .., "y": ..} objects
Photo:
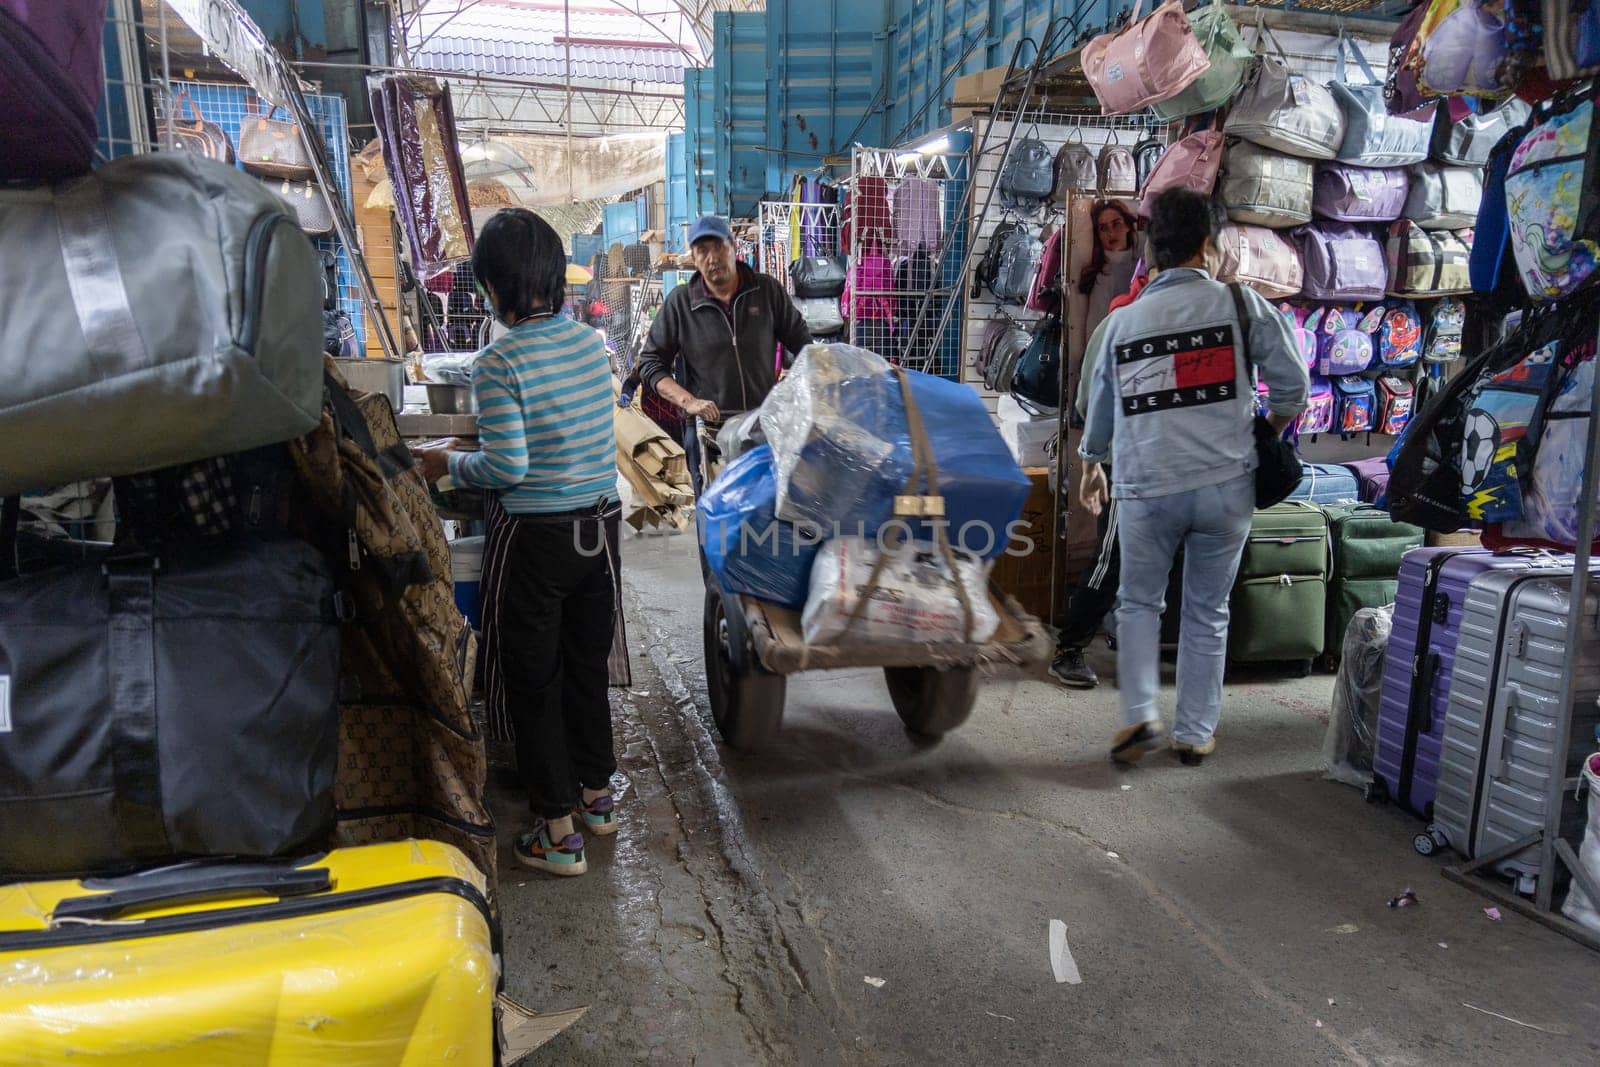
[
  {"x": 677, "y": 191},
  {"x": 804, "y": 80},
  {"x": 826, "y": 62},
  {"x": 623, "y": 222},
  {"x": 743, "y": 177},
  {"x": 700, "y": 140}
]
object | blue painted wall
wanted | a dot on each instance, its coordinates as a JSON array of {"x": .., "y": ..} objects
[
  {"x": 700, "y": 140},
  {"x": 827, "y": 62},
  {"x": 745, "y": 169}
]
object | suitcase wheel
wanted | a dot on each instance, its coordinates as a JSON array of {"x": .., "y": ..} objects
[{"x": 1429, "y": 842}]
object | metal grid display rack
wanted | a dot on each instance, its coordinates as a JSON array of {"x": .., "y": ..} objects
[
  {"x": 897, "y": 317},
  {"x": 819, "y": 234}
]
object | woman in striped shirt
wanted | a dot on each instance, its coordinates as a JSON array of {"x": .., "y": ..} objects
[{"x": 548, "y": 450}]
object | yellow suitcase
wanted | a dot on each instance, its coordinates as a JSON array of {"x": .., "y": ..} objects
[{"x": 381, "y": 955}]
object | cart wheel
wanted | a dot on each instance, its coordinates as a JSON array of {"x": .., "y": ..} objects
[
  {"x": 747, "y": 704},
  {"x": 1424, "y": 844},
  {"x": 930, "y": 701}
]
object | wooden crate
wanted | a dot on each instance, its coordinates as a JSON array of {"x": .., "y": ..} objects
[{"x": 1027, "y": 577}]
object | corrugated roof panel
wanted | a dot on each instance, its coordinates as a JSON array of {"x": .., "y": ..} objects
[{"x": 548, "y": 60}]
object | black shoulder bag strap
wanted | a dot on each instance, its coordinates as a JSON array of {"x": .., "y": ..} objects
[
  {"x": 10, "y": 521},
  {"x": 1278, "y": 469}
]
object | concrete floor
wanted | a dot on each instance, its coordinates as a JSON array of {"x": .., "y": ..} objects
[{"x": 1235, "y": 912}]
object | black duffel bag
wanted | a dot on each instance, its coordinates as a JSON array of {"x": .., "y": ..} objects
[
  {"x": 161, "y": 707},
  {"x": 817, "y": 277}
]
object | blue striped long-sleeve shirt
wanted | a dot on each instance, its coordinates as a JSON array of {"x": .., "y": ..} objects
[{"x": 545, "y": 428}]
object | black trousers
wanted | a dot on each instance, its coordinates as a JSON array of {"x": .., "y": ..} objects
[
  {"x": 556, "y": 612},
  {"x": 1096, "y": 591}
]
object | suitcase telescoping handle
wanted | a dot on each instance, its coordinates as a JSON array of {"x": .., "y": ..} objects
[{"x": 189, "y": 885}]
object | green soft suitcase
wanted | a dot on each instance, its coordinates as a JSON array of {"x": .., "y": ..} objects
[
  {"x": 1279, "y": 604},
  {"x": 1367, "y": 546}
]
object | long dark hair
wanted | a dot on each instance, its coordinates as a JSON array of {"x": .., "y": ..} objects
[
  {"x": 1097, "y": 262},
  {"x": 520, "y": 257}
]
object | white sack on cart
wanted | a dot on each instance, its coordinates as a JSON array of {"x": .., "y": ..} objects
[{"x": 915, "y": 600}]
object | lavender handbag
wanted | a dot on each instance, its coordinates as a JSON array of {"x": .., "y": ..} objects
[
  {"x": 1356, "y": 194},
  {"x": 1264, "y": 187},
  {"x": 1372, "y": 136},
  {"x": 1342, "y": 262},
  {"x": 1444, "y": 198}
]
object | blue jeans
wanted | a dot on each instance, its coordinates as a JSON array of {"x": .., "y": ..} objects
[{"x": 1211, "y": 524}]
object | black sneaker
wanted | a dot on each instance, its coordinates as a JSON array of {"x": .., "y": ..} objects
[{"x": 1070, "y": 669}]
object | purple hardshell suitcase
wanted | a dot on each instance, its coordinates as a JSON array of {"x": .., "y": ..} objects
[
  {"x": 1372, "y": 478},
  {"x": 49, "y": 87},
  {"x": 1419, "y": 664}
]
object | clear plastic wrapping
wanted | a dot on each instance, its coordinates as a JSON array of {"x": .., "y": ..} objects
[
  {"x": 1353, "y": 718},
  {"x": 913, "y": 601},
  {"x": 838, "y": 428},
  {"x": 417, "y": 127}
]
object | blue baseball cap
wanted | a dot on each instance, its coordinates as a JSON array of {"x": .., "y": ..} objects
[{"x": 710, "y": 226}]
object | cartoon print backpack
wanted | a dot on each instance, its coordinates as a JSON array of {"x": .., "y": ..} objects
[
  {"x": 1344, "y": 340},
  {"x": 1499, "y": 436},
  {"x": 1399, "y": 335},
  {"x": 1318, "y": 415},
  {"x": 1303, "y": 321},
  {"x": 1355, "y": 404},
  {"x": 1446, "y": 322},
  {"x": 1396, "y": 398}
]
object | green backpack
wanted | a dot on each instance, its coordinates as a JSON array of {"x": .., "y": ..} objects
[{"x": 1230, "y": 58}]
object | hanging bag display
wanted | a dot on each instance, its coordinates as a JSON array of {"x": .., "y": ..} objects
[
  {"x": 817, "y": 277},
  {"x": 1011, "y": 341},
  {"x": 1398, "y": 340},
  {"x": 1355, "y": 405},
  {"x": 1264, "y": 187},
  {"x": 1551, "y": 198},
  {"x": 198, "y": 134},
  {"x": 1446, "y": 323},
  {"x": 1444, "y": 198},
  {"x": 1036, "y": 379},
  {"x": 1428, "y": 262},
  {"x": 273, "y": 148},
  {"x": 1075, "y": 166},
  {"x": 1118, "y": 175},
  {"x": 1020, "y": 253},
  {"x": 1149, "y": 60},
  {"x": 1280, "y": 109},
  {"x": 1372, "y": 136},
  {"x": 1229, "y": 58},
  {"x": 1029, "y": 179},
  {"x": 211, "y": 347},
  {"x": 1318, "y": 415},
  {"x": 1342, "y": 262},
  {"x": 1464, "y": 139},
  {"x": 1190, "y": 164},
  {"x": 822, "y": 315},
  {"x": 1267, "y": 262},
  {"x": 1571, "y": 39},
  {"x": 1145, "y": 157},
  {"x": 305, "y": 202},
  {"x": 1395, "y": 396},
  {"x": 1344, "y": 340},
  {"x": 1346, "y": 193},
  {"x": 1400, "y": 90}
]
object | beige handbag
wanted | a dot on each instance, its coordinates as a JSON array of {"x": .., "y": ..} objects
[{"x": 273, "y": 148}]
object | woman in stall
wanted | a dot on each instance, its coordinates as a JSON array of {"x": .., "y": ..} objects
[
  {"x": 1107, "y": 277},
  {"x": 548, "y": 452}
]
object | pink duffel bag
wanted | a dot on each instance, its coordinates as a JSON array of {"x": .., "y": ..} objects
[
  {"x": 1192, "y": 163},
  {"x": 1147, "y": 61}
]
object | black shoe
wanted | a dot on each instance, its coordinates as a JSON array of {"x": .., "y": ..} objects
[
  {"x": 1070, "y": 670},
  {"x": 1130, "y": 744}
]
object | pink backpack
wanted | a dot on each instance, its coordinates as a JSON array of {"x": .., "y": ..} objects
[
  {"x": 1304, "y": 321},
  {"x": 1149, "y": 60},
  {"x": 1045, "y": 293},
  {"x": 1192, "y": 163},
  {"x": 1255, "y": 256}
]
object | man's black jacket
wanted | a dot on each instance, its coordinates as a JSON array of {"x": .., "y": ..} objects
[{"x": 729, "y": 364}]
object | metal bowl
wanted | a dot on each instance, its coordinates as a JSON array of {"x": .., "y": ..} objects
[{"x": 452, "y": 400}]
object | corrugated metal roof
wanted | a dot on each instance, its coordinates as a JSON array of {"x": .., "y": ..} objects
[
  {"x": 532, "y": 23},
  {"x": 529, "y": 59}
]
